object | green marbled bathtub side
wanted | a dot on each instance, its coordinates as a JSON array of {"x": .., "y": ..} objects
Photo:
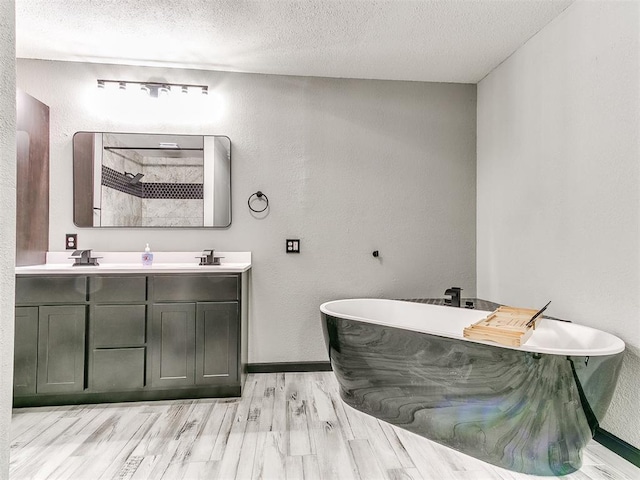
[{"x": 531, "y": 413}]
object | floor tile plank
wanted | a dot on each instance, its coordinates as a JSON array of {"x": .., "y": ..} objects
[
  {"x": 299, "y": 442},
  {"x": 233, "y": 448},
  {"x": 335, "y": 459},
  {"x": 205, "y": 440},
  {"x": 274, "y": 463},
  {"x": 252, "y": 430},
  {"x": 43, "y": 453},
  {"x": 405, "y": 474},
  {"x": 310, "y": 467},
  {"x": 366, "y": 461},
  {"x": 222, "y": 438}
]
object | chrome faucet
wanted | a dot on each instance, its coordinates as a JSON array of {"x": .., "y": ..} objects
[
  {"x": 83, "y": 258},
  {"x": 455, "y": 296}
]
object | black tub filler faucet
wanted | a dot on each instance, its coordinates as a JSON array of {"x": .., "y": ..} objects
[{"x": 455, "y": 296}]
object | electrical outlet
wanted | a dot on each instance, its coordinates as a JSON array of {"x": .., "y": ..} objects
[
  {"x": 293, "y": 245},
  {"x": 71, "y": 241}
]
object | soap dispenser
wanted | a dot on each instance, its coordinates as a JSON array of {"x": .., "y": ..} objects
[{"x": 147, "y": 256}]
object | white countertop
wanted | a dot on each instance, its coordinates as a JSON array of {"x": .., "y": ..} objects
[{"x": 130, "y": 262}]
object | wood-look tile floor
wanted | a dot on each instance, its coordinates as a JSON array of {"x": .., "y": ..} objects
[{"x": 286, "y": 426}]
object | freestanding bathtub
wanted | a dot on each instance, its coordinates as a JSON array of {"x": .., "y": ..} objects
[{"x": 530, "y": 409}]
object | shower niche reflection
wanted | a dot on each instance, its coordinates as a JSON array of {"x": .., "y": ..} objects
[{"x": 151, "y": 180}]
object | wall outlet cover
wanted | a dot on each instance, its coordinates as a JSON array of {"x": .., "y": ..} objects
[
  {"x": 71, "y": 241},
  {"x": 293, "y": 245}
]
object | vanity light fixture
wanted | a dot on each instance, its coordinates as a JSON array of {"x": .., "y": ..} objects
[{"x": 155, "y": 89}]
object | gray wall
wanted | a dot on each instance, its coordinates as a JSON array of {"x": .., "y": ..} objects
[
  {"x": 559, "y": 181},
  {"x": 7, "y": 221},
  {"x": 349, "y": 166}
]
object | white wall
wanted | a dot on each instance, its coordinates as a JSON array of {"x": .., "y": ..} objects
[
  {"x": 349, "y": 166},
  {"x": 558, "y": 181},
  {"x": 7, "y": 221}
]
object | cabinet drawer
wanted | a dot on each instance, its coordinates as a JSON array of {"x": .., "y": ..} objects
[
  {"x": 118, "y": 325},
  {"x": 47, "y": 290},
  {"x": 118, "y": 289},
  {"x": 194, "y": 288},
  {"x": 118, "y": 369}
]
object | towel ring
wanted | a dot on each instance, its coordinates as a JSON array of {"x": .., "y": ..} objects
[{"x": 259, "y": 195}]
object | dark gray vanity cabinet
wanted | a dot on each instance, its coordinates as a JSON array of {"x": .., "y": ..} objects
[
  {"x": 50, "y": 335},
  {"x": 108, "y": 338},
  {"x": 195, "y": 330}
]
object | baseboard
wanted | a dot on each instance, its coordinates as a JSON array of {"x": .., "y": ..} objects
[
  {"x": 288, "y": 367},
  {"x": 618, "y": 446}
]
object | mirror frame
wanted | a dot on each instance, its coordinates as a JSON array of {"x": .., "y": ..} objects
[{"x": 83, "y": 175}]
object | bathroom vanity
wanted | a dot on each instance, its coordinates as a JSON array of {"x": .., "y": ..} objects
[{"x": 124, "y": 332}]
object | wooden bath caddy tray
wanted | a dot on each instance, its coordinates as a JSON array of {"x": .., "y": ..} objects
[{"x": 506, "y": 325}]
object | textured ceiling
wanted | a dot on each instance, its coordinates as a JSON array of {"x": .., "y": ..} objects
[{"x": 437, "y": 40}]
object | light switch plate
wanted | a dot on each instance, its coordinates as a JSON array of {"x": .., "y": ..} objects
[
  {"x": 293, "y": 245},
  {"x": 71, "y": 241}
]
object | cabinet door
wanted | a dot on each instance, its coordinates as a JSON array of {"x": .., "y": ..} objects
[
  {"x": 61, "y": 345},
  {"x": 173, "y": 332},
  {"x": 217, "y": 343},
  {"x": 25, "y": 353}
]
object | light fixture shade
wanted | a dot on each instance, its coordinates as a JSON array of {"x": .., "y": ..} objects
[
  {"x": 145, "y": 89},
  {"x": 122, "y": 85},
  {"x": 205, "y": 90}
]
